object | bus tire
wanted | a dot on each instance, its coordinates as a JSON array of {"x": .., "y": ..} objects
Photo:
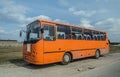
[
  {"x": 97, "y": 54},
  {"x": 66, "y": 59}
]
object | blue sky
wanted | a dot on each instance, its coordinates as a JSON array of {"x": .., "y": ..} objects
[{"x": 97, "y": 14}]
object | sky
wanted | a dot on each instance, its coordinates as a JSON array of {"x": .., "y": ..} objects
[{"x": 97, "y": 14}]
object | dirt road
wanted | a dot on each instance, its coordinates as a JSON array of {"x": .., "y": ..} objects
[
  {"x": 22, "y": 69},
  {"x": 112, "y": 70}
]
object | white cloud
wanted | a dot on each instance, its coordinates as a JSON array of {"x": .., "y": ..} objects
[
  {"x": 12, "y": 12},
  {"x": 86, "y": 23},
  {"x": 39, "y": 17},
  {"x": 63, "y": 2},
  {"x": 6, "y": 34},
  {"x": 84, "y": 13},
  {"x": 102, "y": 0},
  {"x": 16, "y": 13},
  {"x": 112, "y": 26},
  {"x": 61, "y": 21},
  {"x": 2, "y": 31},
  {"x": 102, "y": 11},
  {"x": 44, "y": 17},
  {"x": 72, "y": 9}
]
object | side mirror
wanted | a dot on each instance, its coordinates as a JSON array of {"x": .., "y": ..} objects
[{"x": 20, "y": 34}]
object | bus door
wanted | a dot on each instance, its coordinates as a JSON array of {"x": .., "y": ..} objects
[{"x": 49, "y": 43}]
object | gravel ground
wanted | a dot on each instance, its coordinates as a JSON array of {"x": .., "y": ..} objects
[{"x": 23, "y": 69}]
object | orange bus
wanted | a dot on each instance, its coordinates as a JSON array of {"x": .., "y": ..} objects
[{"x": 49, "y": 42}]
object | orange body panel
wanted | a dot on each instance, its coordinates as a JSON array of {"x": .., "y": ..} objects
[{"x": 45, "y": 52}]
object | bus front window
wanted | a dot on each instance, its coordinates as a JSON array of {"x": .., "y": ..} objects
[{"x": 33, "y": 32}]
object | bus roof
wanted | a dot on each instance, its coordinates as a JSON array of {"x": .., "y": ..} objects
[{"x": 77, "y": 26}]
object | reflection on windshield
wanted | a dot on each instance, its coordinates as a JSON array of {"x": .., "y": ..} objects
[{"x": 33, "y": 31}]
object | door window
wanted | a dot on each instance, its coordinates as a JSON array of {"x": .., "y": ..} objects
[{"x": 49, "y": 32}]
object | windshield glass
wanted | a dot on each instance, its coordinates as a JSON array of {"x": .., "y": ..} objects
[{"x": 33, "y": 31}]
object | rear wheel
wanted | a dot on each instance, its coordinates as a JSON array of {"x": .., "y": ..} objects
[
  {"x": 66, "y": 59},
  {"x": 97, "y": 54}
]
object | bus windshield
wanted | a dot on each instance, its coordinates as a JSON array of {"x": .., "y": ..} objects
[{"x": 33, "y": 31}]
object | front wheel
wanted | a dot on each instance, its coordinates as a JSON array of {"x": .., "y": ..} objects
[
  {"x": 97, "y": 54},
  {"x": 66, "y": 59}
]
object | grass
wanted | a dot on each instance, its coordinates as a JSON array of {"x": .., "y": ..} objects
[
  {"x": 14, "y": 54},
  {"x": 5, "y": 49},
  {"x": 8, "y": 54},
  {"x": 114, "y": 48}
]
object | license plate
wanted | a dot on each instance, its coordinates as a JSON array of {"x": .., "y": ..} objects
[{"x": 28, "y": 47}]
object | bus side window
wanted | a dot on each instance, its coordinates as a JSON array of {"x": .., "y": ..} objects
[
  {"x": 49, "y": 33},
  {"x": 80, "y": 36},
  {"x": 102, "y": 36},
  {"x": 77, "y": 33},
  {"x": 63, "y": 32},
  {"x": 99, "y": 37},
  {"x": 96, "y": 35},
  {"x": 73, "y": 36},
  {"x": 87, "y": 34},
  {"x": 88, "y": 37}
]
